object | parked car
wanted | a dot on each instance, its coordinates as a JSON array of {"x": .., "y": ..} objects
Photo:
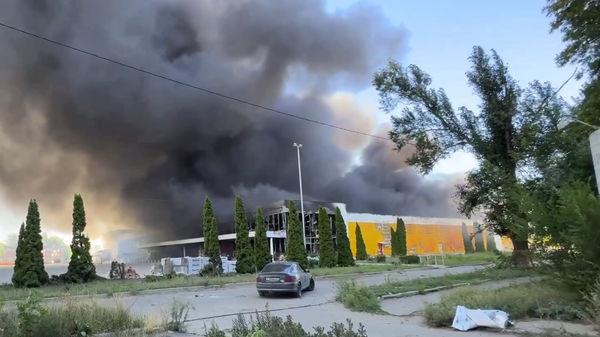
[{"x": 284, "y": 277}]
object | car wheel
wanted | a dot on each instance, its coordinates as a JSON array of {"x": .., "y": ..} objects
[
  {"x": 298, "y": 293},
  {"x": 311, "y": 285},
  {"x": 262, "y": 293}
]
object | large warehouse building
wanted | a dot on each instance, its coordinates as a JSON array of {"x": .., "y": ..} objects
[{"x": 424, "y": 235}]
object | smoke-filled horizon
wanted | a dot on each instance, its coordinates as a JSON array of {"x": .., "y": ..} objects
[{"x": 71, "y": 123}]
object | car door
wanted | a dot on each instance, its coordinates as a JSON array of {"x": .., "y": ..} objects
[{"x": 303, "y": 276}]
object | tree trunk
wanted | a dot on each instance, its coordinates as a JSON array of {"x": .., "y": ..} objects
[{"x": 521, "y": 256}]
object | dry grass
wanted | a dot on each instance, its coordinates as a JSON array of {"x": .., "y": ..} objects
[
  {"x": 539, "y": 299},
  {"x": 111, "y": 287},
  {"x": 69, "y": 317}
]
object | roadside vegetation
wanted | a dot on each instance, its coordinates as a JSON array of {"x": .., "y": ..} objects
[{"x": 362, "y": 298}]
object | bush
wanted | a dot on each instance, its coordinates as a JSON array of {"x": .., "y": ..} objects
[
  {"x": 409, "y": 259},
  {"x": 529, "y": 300},
  {"x": 357, "y": 297},
  {"x": 313, "y": 262},
  {"x": 67, "y": 318},
  {"x": 264, "y": 324},
  {"x": 380, "y": 258}
]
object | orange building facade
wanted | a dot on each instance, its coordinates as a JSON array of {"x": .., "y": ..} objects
[{"x": 423, "y": 235}]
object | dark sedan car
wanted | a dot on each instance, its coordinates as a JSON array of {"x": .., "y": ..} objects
[{"x": 284, "y": 277}]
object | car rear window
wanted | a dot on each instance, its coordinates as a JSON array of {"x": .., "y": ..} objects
[{"x": 276, "y": 268}]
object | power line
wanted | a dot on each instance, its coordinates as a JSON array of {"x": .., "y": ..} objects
[{"x": 187, "y": 84}]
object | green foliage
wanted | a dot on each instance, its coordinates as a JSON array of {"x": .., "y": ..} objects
[
  {"x": 394, "y": 242},
  {"x": 410, "y": 259},
  {"x": 507, "y": 135},
  {"x": 81, "y": 266},
  {"x": 262, "y": 254},
  {"x": 491, "y": 242},
  {"x": 380, "y": 258},
  {"x": 244, "y": 255},
  {"x": 31, "y": 271},
  {"x": 264, "y": 324},
  {"x": 467, "y": 239},
  {"x": 358, "y": 297},
  {"x": 401, "y": 237},
  {"x": 327, "y": 257},
  {"x": 18, "y": 269},
  {"x": 296, "y": 251},
  {"x": 212, "y": 249},
  {"x": 30, "y": 316},
  {"x": 361, "y": 248},
  {"x": 569, "y": 225},
  {"x": 344, "y": 252}
]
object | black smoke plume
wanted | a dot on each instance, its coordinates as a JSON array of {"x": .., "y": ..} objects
[{"x": 144, "y": 152}]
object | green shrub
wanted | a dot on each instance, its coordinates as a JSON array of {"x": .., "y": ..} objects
[
  {"x": 313, "y": 262},
  {"x": 380, "y": 258},
  {"x": 357, "y": 297},
  {"x": 263, "y": 324},
  {"x": 409, "y": 259}
]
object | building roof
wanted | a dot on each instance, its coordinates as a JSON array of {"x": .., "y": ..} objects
[{"x": 310, "y": 206}]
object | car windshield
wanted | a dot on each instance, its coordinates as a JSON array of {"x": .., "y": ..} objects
[{"x": 276, "y": 268}]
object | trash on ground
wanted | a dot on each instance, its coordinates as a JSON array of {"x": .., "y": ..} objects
[{"x": 468, "y": 319}]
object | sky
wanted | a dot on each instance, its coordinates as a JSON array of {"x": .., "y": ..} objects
[{"x": 441, "y": 35}]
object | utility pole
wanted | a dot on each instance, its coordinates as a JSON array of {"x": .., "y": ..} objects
[{"x": 298, "y": 147}]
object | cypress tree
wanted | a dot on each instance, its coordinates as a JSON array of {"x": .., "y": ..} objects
[
  {"x": 32, "y": 267},
  {"x": 401, "y": 237},
  {"x": 467, "y": 239},
  {"x": 17, "y": 278},
  {"x": 296, "y": 251},
  {"x": 479, "y": 240},
  {"x": 81, "y": 266},
  {"x": 244, "y": 256},
  {"x": 344, "y": 253},
  {"x": 212, "y": 249},
  {"x": 262, "y": 254},
  {"x": 361, "y": 248},
  {"x": 394, "y": 242},
  {"x": 326, "y": 252},
  {"x": 491, "y": 243}
]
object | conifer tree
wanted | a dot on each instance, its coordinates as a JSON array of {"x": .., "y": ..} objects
[
  {"x": 32, "y": 267},
  {"x": 467, "y": 239},
  {"x": 401, "y": 237},
  {"x": 327, "y": 257},
  {"x": 17, "y": 278},
  {"x": 344, "y": 252},
  {"x": 212, "y": 248},
  {"x": 296, "y": 251},
  {"x": 262, "y": 255},
  {"x": 81, "y": 266},
  {"x": 394, "y": 242},
  {"x": 361, "y": 248},
  {"x": 244, "y": 255}
]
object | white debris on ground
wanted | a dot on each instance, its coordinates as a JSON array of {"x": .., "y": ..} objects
[{"x": 468, "y": 319}]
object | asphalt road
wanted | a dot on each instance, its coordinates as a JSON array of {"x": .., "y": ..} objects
[
  {"x": 222, "y": 305},
  {"x": 102, "y": 269}
]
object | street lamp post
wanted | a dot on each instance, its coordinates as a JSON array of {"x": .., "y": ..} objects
[
  {"x": 594, "y": 140},
  {"x": 298, "y": 147}
]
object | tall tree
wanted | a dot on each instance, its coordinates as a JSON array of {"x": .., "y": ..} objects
[
  {"x": 401, "y": 237},
  {"x": 34, "y": 273},
  {"x": 479, "y": 240},
  {"x": 501, "y": 135},
  {"x": 467, "y": 239},
  {"x": 244, "y": 256},
  {"x": 327, "y": 257},
  {"x": 81, "y": 266},
  {"x": 361, "y": 248},
  {"x": 18, "y": 276},
  {"x": 344, "y": 252},
  {"x": 394, "y": 242},
  {"x": 296, "y": 251},
  {"x": 262, "y": 254},
  {"x": 212, "y": 248}
]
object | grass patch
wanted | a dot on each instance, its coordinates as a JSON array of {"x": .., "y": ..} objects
[
  {"x": 69, "y": 317},
  {"x": 396, "y": 287},
  {"x": 541, "y": 299},
  {"x": 358, "y": 297},
  {"x": 111, "y": 287},
  {"x": 466, "y": 259}
]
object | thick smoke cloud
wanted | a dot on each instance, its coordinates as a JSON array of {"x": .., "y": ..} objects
[{"x": 144, "y": 152}]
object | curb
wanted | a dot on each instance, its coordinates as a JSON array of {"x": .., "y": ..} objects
[
  {"x": 226, "y": 285},
  {"x": 430, "y": 290}
]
